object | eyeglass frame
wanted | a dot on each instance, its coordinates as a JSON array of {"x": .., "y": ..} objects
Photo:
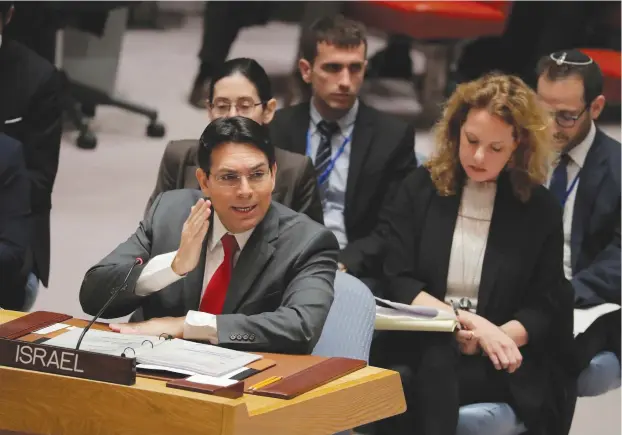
[
  {"x": 230, "y": 103},
  {"x": 236, "y": 183},
  {"x": 573, "y": 118}
]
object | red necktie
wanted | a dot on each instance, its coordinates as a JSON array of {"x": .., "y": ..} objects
[{"x": 216, "y": 290}]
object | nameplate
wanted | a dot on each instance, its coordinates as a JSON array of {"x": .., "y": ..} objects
[{"x": 67, "y": 362}]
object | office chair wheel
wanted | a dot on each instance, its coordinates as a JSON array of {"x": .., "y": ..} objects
[
  {"x": 156, "y": 129},
  {"x": 86, "y": 141}
]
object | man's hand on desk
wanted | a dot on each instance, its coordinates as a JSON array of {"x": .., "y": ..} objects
[{"x": 163, "y": 325}]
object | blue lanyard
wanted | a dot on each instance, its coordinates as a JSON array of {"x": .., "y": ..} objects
[
  {"x": 324, "y": 175},
  {"x": 570, "y": 189}
]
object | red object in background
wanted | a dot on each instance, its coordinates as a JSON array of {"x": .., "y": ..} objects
[
  {"x": 433, "y": 20},
  {"x": 609, "y": 63}
]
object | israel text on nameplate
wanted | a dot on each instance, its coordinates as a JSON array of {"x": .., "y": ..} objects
[{"x": 67, "y": 362}]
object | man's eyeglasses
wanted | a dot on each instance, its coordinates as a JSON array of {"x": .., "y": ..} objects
[
  {"x": 234, "y": 180},
  {"x": 566, "y": 119},
  {"x": 243, "y": 106}
]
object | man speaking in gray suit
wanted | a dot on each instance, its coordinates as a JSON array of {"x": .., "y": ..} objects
[{"x": 234, "y": 269}]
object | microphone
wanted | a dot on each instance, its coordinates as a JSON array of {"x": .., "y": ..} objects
[{"x": 114, "y": 294}]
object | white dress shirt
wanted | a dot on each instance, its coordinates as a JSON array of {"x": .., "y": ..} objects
[
  {"x": 576, "y": 162},
  {"x": 338, "y": 178},
  {"x": 469, "y": 242},
  {"x": 158, "y": 274}
]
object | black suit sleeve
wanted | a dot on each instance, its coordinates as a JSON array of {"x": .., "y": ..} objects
[
  {"x": 307, "y": 197},
  {"x": 600, "y": 282},
  {"x": 362, "y": 256},
  {"x": 542, "y": 295},
  {"x": 15, "y": 225},
  {"x": 402, "y": 240},
  {"x": 42, "y": 139}
]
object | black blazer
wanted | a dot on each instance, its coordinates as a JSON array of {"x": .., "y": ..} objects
[
  {"x": 522, "y": 274},
  {"x": 382, "y": 154},
  {"x": 15, "y": 227},
  {"x": 595, "y": 238},
  {"x": 30, "y": 111}
]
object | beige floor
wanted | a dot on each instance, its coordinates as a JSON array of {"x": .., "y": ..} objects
[{"x": 99, "y": 195}]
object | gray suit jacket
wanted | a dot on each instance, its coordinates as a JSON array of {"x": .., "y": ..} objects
[
  {"x": 279, "y": 295},
  {"x": 296, "y": 184}
]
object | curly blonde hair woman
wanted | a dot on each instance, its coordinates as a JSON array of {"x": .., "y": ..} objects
[
  {"x": 474, "y": 232},
  {"x": 511, "y": 100}
]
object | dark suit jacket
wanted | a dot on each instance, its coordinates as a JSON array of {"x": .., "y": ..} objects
[
  {"x": 30, "y": 112},
  {"x": 15, "y": 226},
  {"x": 382, "y": 153},
  {"x": 280, "y": 292},
  {"x": 522, "y": 274},
  {"x": 295, "y": 187},
  {"x": 595, "y": 239}
]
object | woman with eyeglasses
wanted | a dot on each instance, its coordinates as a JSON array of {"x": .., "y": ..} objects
[{"x": 241, "y": 87}]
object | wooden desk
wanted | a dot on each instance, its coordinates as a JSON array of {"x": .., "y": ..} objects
[{"x": 40, "y": 403}]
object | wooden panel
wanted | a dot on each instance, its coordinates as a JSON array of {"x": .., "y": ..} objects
[{"x": 51, "y": 404}]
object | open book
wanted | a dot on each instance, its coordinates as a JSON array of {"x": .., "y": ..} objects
[
  {"x": 174, "y": 355},
  {"x": 393, "y": 316}
]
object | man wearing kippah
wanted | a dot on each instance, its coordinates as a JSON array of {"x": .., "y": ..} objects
[{"x": 586, "y": 180}]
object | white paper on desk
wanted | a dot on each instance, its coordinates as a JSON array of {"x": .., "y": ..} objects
[
  {"x": 211, "y": 380},
  {"x": 584, "y": 317},
  {"x": 200, "y": 358},
  {"x": 52, "y": 328},
  {"x": 106, "y": 342}
]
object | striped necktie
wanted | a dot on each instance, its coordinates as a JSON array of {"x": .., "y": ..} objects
[{"x": 324, "y": 153}]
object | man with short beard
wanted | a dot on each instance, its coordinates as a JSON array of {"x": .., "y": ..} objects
[{"x": 586, "y": 179}]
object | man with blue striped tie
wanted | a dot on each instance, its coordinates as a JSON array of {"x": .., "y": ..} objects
[{"x": 360, "y": 154}]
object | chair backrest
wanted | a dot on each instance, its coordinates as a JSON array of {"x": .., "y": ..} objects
[{"x": 349, "y": 327}]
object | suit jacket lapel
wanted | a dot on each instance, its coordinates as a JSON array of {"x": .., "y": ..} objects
[
  {"x": 436, "y": 243},
  {"x": 362, "y": 136},
  {"x": 592, "y": 175},
  {"x": 252, "y": 260},
  {"x": 499, "y": 237}
]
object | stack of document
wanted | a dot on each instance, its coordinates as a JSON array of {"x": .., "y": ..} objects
[
  {"x": 174, "y": 355},
  {"x": 393, "y": 316}
]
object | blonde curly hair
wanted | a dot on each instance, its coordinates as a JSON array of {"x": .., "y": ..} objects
[{"x": 510, "y": 99}]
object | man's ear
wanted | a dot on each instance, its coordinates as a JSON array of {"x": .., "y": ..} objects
[
  {"x": 203, "y": 180},
  {"x": 597, "y": 106},
  {"x": 305, "y": 70},
  {"x": 268, "y": 112}
]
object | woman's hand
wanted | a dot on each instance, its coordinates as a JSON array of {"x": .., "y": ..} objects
[
  {"x": 500, "y": 348},
  {"x": 467, "y": 342}
]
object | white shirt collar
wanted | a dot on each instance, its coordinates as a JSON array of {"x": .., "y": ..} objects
[
  {"x": 579, "y": 153},
  {"x": 345, "y": 122},
  {"x": 219, "y": 230}
]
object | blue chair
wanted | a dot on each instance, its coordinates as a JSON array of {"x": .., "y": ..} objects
[
  {"x": 602, "y": 375},
  {"x": 349, "y": 327},
  {"x": 489, "y": 419}
]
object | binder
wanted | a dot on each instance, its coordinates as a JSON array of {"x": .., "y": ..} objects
[
  {"x": 300, "y": 374},
  {"x": 24, "y": 325}
]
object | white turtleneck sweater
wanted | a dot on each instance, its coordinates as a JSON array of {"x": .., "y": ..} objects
[{"x": 469, "y": 241}]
